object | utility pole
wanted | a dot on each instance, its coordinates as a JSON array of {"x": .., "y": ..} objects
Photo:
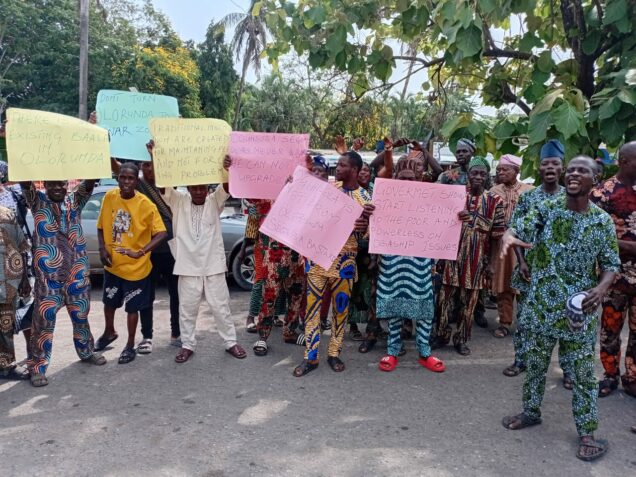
[{"x": 83, "y": 59}]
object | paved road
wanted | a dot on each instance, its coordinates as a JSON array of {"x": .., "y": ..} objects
[{"x": 217, "y": 416}]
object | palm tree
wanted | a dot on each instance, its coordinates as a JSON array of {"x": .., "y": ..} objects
[{"x": 249, "y": 40}]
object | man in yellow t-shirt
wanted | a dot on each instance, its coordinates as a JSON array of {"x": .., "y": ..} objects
[{"x": 129, "y": 228}]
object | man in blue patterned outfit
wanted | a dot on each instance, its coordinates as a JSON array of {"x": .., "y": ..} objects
[{"x": 571, "y": 242}]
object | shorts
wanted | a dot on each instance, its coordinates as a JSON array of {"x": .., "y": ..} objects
[{"x": 135, "y": 295}]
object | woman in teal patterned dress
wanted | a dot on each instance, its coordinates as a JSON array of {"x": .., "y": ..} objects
[{"x": 405, "y": 292}]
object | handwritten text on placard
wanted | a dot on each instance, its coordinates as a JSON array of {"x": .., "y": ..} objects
[
  {"x": 312, "y": 217},
  {"x": 416, "y": 219},
  {"x": 49, "y": 146},
  {"x": 189, "y": 151},
  {"x": 261, "y": 162}
]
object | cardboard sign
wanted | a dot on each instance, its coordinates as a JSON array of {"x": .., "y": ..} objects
[
  {"x": 416, "y": 219},
  {"x": 50, "y": 146},
  {"x": 261, "y": 162},
  {"x": 312, "y": 217},
  {"x": 189, "y": 151},
  {"x": 126, "y": 115}
]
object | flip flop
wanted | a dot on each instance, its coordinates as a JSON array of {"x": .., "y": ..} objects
[
  {"x": 103, "y": 341},
  {"x": 525, "y": 421},
  {"x": 127, "y": 355},
  {"x": 15, "y": 374},
  {"x": 237, "y": 351},
  {"x": 304, "y": 368},
  {"x": 260, "y": 348},
  {"x": 336, "y": 364},
  {"x": 184, "y": 355},
  {"x": 388, "y": 363},
  {"x": 432, "y": 363},
  {"x": 600, "y": 444}
]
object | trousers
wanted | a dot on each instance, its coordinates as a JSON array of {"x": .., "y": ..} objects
[
  {"x": 7, "y": 325},
  {"x": 467, "y": 299},
  {"x": 213, "y": 289},
  {"x": 340, "y": 288},
  {"x": 74, "y": 293},
  {"x": 422, "y": 337},
  {"x": 619, "y": 305},
  {"x": 162, "y": 267},
  {"x": 579, "y": 357},
  {"x": 505, "y": 306}
]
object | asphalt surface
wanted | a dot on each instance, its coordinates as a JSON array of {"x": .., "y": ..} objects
[{"x": 218, "y": 416}]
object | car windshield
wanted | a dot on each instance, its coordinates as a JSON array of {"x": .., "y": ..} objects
[{"x": 91, "y": 209}]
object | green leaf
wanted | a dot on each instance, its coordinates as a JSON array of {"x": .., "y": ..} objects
[
  {"x": 567, "y": 119},
  {"x": 356, "y": 64},
  {"x": 591, "y": 42},
  {"x": 465, "y": 16},
  {"x": 256, "y": 9},
  {"x": 615, "y": 10},
  {"x": 545, "y": 62},
  {"x": 612, "y": 131},
  {"x": 609, "y": 108},
  {"x": 469, "y": 41},
  {"x": 336, "y": 42},
  {"x": 457, "y": 122},
  {"x": 317, "y": 14},
  {"x": 360, "y": 85},
  {"x": 488, "y": 6},
  {"x": 382, "y": 70},
  {"x": 538, "y": 126},
  {"x": 548, "y": 100},
  {"x": 316, "y": 59},
  {"x": 627, "y": 96},
  {"x": 529, "y": 41}
]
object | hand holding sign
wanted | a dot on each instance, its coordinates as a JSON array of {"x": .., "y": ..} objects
[
  {"x": 261, "y": 162},
  {"x": 49, "y": 146},
  {"x": 189, "y": 151},
  {"x": 416, "y": 219},
  {"x": 312, "y": 217}
]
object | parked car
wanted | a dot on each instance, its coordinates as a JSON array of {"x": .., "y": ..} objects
[{"x": 232, "y": 227}]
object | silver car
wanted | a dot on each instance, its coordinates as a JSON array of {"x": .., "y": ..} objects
[{"x": 232, "y": 226}]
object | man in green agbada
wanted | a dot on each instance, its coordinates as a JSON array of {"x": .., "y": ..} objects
[{"x": 571, "y": 240}]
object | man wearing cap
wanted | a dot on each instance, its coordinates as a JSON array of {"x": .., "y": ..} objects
[
  {"x": 509, "y": 189},
  {"x": 464, "y": 278},
  {"x": 572, "y": 262},
  {"x": 617, "y": 197},
  {"x": 463, "y": 154},
  {"x": 550, "y": 171}
]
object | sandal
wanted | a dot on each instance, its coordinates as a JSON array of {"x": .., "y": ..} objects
[
  {"x": 260, "y": 348},
  {"x": 356, "y": 335},
  {"x": 277, "y": 322},
  {"x": 96, "y": 359},
  {"x": 238, "y": 352},
  {"x": 633, "y": 429},
  {"x": 183, "y": 355},
  {"x": 304, "y": 368},
  {"x": 325, "y": 325},
  {"x": 521, "y": 420},
  {"x": 568, "y": 383},
  {"x": 294, "y": 338},
  {"x": 367, "y": 345},
  {"x": 607, "y": 386},
  {"x": 514, "y": 369},
  {"x": 462, "y": 349},
  {"x": 127, "y": 355},
  {"x": 250, "y": 326},
  {"x": 336, "y": 364},
  {"x": 501, "y": 331},
  {"x": 144, "y": 347},
  {"x": 432, "y": 363},
  {"x": 15, "y": 374},
  {"x": 388, "y": 363},
  {"x": 588, "y": 442},
  {"x": 103, "y": 341},
  {"x": 38, "y": 380}
]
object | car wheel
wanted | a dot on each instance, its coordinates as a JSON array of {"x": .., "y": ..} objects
[{"x": 243, "y": 270}]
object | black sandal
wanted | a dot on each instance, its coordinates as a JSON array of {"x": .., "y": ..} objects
[
  {"x": 523, "y": 419},
  {"x": 514, "y": 370},
  {"x": 15, "y": 374},
  {"x": 103, "y": 341},
  {"x": 601, "y": 446},
  {"x": 367, "y": 345},
  {"x": 607, "y": 386},
  {"x": 304, "y": 368},
  {"x": 127, "y": 355},
  {"x": 336, "y": 364}
]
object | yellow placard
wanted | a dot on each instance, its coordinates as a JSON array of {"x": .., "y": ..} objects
[
  {"x": 189, "y": 151},
  {"x": 50, "y": 146}
]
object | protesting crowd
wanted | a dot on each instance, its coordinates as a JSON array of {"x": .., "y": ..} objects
[{"x": 557, "y": 260}]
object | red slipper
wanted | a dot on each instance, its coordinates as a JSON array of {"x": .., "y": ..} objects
[
  {"x": 433, "y": 364},
  {"x": 388, "y": 363}
]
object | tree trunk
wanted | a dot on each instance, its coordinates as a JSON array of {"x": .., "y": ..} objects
[
  {"x": 83, "y": 60},
  {"x": 240, "y": 92}
]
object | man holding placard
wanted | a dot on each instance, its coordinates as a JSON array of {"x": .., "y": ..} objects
[
  {"x": 61, "y": 272},
  {"x": 129, "y": 228},
  {"x": 464, "y": 278},
  {"x": 339, "y": 278}
]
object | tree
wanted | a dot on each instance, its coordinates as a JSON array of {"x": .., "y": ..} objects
[
  {"x": 568, "y": 67},
  {"x": 249, "y": 40},
  {"x": 218, "y": 78}
]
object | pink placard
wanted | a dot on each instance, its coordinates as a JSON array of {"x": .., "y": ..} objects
[
  {"x": 261, "y": 162},
  {"x": 416, "y": 219},
  {"x": 312, "y": 217}
]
